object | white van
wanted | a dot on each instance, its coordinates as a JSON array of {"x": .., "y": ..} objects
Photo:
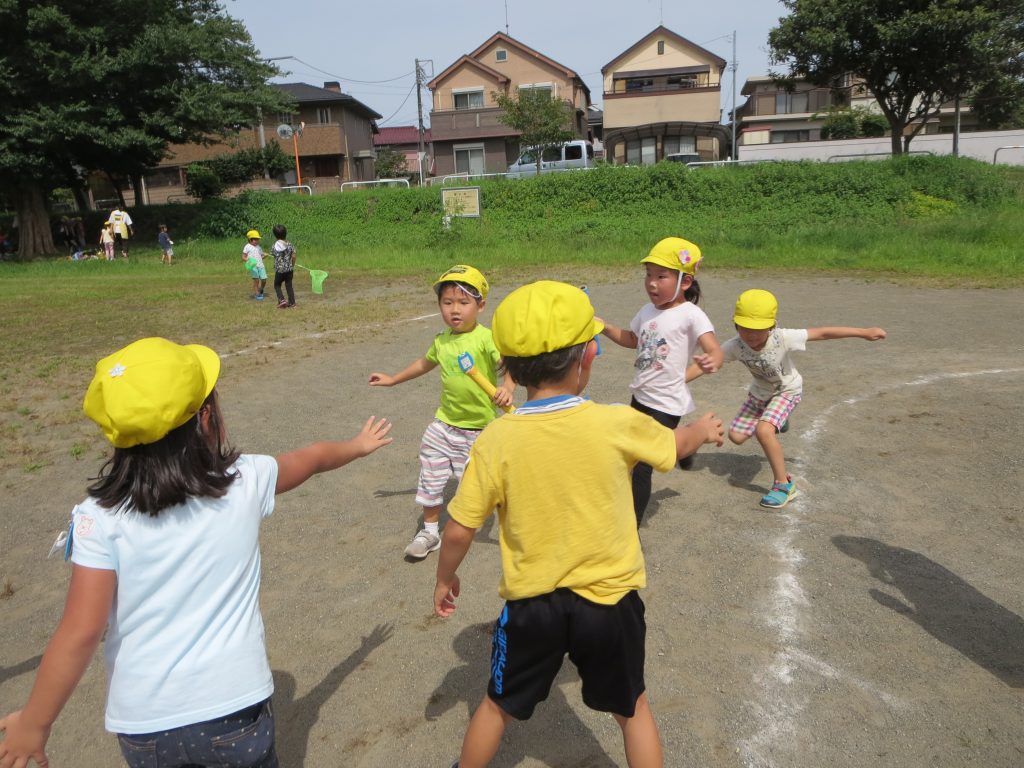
[{"x": 571, "y": 154}]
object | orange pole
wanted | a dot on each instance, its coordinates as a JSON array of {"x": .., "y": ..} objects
[{"x": 295, "y": 143}]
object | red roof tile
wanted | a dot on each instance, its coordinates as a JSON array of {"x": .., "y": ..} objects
[{"x": 402, "y": 134}]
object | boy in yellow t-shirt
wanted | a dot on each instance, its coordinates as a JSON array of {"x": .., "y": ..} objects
[
  {"x": 465, "y": 408},
  {"x": 558, "y": 473}
]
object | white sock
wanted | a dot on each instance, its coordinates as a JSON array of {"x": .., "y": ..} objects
[{"x": 432, "y": 527}]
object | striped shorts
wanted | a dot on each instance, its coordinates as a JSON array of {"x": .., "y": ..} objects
[
  {"x": 775, "y": 411},
  {"x": 444, "y": 452}
]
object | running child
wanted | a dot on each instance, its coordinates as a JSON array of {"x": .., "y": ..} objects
[
  {"x": 166, "y": 561},
  {"x": 284, "y": 267},
  {"x": 252, "y": 257},
  {"x": 665, "y": 334},
  {"x": 557, "y": 472},
  {"x": 165, "y": 242},
  {"x": 777, "y": 387},
  {"x": 465, "y": 409}
]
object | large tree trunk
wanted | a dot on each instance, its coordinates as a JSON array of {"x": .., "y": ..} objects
[
  {"x": 896, "y": 130},
  {"x": 35, "y": 237}
]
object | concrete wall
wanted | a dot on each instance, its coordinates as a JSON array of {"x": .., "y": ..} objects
[{"x": 980, "y": 145}]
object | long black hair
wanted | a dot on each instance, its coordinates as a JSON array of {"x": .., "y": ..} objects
[{"x": 188, "y": 461}]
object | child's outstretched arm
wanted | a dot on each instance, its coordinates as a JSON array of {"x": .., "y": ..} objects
[
  {"x": 454, "y": 546},
  {"x": 621, "y": 336},
  {"x": 712, "y": 355},
  {"x": 296, "y": 467},
  {"x": 827, "y": 334},
  {"x": 690, "y": 437},
  {"x": 89, "y": 601},
  {"x": 413, "y": 370}
]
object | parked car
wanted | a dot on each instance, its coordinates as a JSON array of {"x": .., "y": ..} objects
[
  {"x": 564, "y": 157},
  {"x": 683, "y": 157}
]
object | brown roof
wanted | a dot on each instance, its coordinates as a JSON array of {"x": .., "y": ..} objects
[
  {"x": 472, "y": 62},
  {"x": 665, "y": 31},
  {"x": 401, "y": 134}
]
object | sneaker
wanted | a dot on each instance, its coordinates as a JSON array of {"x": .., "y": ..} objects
[
  {"x": 259, "y": 297},
  {"x": 422, "y": 544},
  {"x": 780, "y": 494},
  {"x": 784, "y": 428}
]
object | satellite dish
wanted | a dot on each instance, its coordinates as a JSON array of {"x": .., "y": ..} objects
[{"x": 284, "y": 131}]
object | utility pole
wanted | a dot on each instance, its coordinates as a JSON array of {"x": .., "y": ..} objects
[
  {"x": 735, "y": 64},
  {"x": 419, "y": 112}
]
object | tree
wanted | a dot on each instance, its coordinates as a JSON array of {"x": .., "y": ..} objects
[
  {"x": 80, "y": 92},
  {"x": 541, "y": 119},
  {"x": 850, "y": 122},
  {"x": 912, "y": 55},
  {"x": 209, "y": 178},
  {"x": 390, "y": 164}
]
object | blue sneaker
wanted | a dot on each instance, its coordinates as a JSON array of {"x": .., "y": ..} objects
[
  {"x": 259, "y": 297},
  {"x": 780, "y": 495}
]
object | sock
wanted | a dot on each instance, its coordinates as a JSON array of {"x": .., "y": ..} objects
[{"x": 432, "y": 527}]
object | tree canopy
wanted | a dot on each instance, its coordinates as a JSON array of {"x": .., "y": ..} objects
[
  {"x": 85, "y": 88},
  {"x": 912, "y": 55},
  {"x": 541, "y": 118}
]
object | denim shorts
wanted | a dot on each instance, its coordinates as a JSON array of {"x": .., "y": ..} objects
[{"x": 244, "y": 738}]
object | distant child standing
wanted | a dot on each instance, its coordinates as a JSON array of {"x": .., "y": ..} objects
[
  {"x": 107, "y": 240},
  {"x": 777, "y": 386},
  {"x": 557, "y": 473},
  {"x": 252, "y": 257},
  {"x": 284, "y": 267},
  {"x": 465, "y": 409},
  {"x": 166, "y": 563},
  {"x": 165, "y": 245},
  {"x": 665, "y": 333}
]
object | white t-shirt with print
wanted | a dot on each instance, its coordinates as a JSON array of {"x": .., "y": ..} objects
[
  {"x": 771, "y": 367},
  {"x": 185, "y": 636},
  {"x": 666, "y": 340},
  {"x": 251, "y": 252}
]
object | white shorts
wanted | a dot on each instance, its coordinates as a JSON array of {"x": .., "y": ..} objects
[{"x": 444, "y": 452}]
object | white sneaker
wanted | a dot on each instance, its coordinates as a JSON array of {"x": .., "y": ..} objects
[{"x": 422, "y": 544}]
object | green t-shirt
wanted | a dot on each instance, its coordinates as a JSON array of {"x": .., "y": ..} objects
[{"x": 463, "y": 403}]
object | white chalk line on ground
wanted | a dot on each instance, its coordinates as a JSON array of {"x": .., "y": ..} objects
[
  {"x": 779, "y": 707},
  {"x": 321, "y": 335}
]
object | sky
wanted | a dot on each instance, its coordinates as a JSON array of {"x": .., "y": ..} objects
[{"x": 371, "y": 49}]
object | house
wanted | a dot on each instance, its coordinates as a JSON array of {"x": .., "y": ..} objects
[
  {"x": 467, "y": 136},
  {"x": 405, "y": 140},
  {"x": 774, "y": 115},
  {"x": 335, "y": 145},
  {"x": 662, "y": 96}
]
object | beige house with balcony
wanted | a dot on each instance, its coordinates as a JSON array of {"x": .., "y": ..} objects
[
  {"x": 466, "y": 134},
  {"x": 336, "y": 144},
  {"x": 662, "y": 96}
]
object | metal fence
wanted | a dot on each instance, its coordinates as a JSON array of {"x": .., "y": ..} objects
[
  {"x": 375, "y": 183},
  {"x": 995, "y": 154}
]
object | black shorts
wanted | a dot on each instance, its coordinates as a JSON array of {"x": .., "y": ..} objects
[{"x": 605, "y": 642}]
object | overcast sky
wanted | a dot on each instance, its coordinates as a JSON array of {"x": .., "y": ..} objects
[{"x": 359, "y": 41}]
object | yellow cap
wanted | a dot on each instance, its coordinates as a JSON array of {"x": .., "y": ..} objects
[
  {"x": 463, "y": 273},
  {"x": 142, "y": 392},
  {"x": 252, "y": 234},
  {"x": 675, "y": 253},
  {"x": 755, "y": 309},
  {"x": 543, "y": 317}
]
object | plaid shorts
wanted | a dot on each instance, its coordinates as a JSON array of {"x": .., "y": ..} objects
[
  {"x": 444, "y": 452},
  {"x": 775, "y": 411}
]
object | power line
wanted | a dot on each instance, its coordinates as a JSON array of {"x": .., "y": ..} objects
[
  {"x": 348, "y": 79},
  {"x": 402, "y": 104}
]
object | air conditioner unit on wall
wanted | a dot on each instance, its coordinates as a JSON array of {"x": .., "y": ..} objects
[{"x": 366, "y": 153}]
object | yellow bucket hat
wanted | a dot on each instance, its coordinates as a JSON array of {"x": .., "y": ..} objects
[
  {"x": 755, "y": 309},
  {"x": 252, "y": 234},
  {"x": 543, "y": 317},
  {"x": 142, "y": 392},
  {"x": 463, "y": 273},
  {"x": 675, "y": 253}
]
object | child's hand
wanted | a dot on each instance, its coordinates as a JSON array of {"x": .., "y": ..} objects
[
  {"x": 381, "y": 380},
  {"x": 444, "y": 597},
  {"x": 711, "y": 427},
  {"x": 706, "y": 363},
  {"x": 502, "y": 397},
  {"x": 372, "y": 436},
  {"x": 874, "y": 334},
  {"x": 22, "y": 742}
]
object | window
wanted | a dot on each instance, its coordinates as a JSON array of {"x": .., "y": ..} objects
[
  {"x": 501, "y": 55},
  {"x": 574, "y": 152},
  {"x": 285, "y": 117},
  {"x": 640, "y": 151},
  {"x": 469, "y": 158},
  {"x": 168, "y": 176},
  {"x": 468, "y": 99},
  {"x": 673, "y": 145},
  {"x": 787, "y": 137},
  {"x": 639, "y": 84},
  {"x": 323, "y": 115},
  {"x": 551, "y": 155},
  {"x": 661, "y": 47},
  {"x": 683, "y": 81},
  {"x": 545, "y": 89},
  {"x": 790, "y": 103}
]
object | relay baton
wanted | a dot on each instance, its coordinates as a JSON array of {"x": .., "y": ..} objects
[
  {"x": 469, "y": 368},
  {"x": 597, "y": 339}
]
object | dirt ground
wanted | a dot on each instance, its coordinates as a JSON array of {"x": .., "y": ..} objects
[{"x": 875, "y": 621}]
